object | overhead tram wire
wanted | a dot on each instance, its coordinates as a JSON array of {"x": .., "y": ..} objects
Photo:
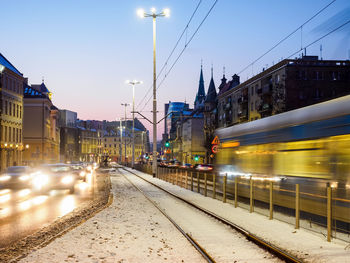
[
  {"x": 285, "y": 38},
  {"x": 182, "y": 51},
  {"x": 171, "y": 53},
  {"x": 325, "y": 35}
]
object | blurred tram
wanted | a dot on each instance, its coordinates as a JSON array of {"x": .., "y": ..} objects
[{"x": 310, "y": 142}]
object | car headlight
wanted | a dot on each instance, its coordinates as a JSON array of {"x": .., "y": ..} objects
[
  {"x": 67, "y": 180},
  {"x": 4, "y": 178},
  {"x": 40, "y": 180},
  {"x": 24, "y": 177},
  {"x": 82, "y": 174}
]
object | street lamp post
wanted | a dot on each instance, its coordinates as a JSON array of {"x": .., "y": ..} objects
[
  {"x": 133, "y": 83},
  {"x": 154, "y": 15},
  {"x": 121, "y": 139},
  {"x": 125, "y": 105}
]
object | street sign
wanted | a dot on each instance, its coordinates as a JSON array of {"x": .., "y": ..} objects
[
  {"x": 216, "y": 140},
  {"x": 215, "y": 148}
]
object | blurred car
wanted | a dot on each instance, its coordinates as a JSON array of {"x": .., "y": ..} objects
[
  {"x": 204, "y": 167},
  {"x": 54, "y": 176},
  {"x": 186, "y": 166},
  {"x": 16, "y": 177},
  {"x": 80, "y": 171}
]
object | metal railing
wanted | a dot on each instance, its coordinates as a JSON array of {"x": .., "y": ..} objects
[{"x": 325, "y": 210}]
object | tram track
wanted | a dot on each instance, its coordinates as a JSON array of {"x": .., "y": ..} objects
[
  {"x": 194, "y": 243},
  {"x": 270, "y": 248}
]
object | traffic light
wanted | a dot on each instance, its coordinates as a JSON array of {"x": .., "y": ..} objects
[
  {"x": 196, "y": 158},
  {"x": 167, "y": 144}
]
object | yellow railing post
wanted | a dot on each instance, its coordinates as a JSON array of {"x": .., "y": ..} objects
[
  {"x": 176, "y": 170},
  {"x": 297, "y": 206},
  {"x": 271, "y": 201},
  {"x": 191, "y": 181},
  {"x": 224, "y": 189},
  {"x": 251, "y": 207},
  {"x": 329, "y": 214},
  {"x": 205, "y": 184},
  {"x": 236, "y": 191},
  {"x": 198, "y": 183},
  {"x": 214, "y": 185}
]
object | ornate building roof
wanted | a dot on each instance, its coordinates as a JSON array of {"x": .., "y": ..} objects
[
  {"x": 7, "y": 64},
  {"x": 30, "y": 92}
]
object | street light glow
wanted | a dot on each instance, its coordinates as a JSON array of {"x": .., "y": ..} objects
[
  {"x": 166, "y": 12},
  {"x": 141, "y": 13},
  {"x": 153, "y": 10}
]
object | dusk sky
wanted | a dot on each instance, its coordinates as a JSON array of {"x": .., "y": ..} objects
[{"x": 85, "y": 50}]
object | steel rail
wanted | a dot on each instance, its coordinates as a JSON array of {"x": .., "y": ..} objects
[
  {"x": 280, "y": 253},
  {"x": 201, "y": 250}
]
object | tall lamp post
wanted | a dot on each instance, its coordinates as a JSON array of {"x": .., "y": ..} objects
[
  {"x": 133, "y": 83},
  {"x": 125, "y": 105},
  {"x": 121, "y": 140},
  {"x": 154, "y": 15}
]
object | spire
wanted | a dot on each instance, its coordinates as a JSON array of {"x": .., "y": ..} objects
[
  {"x": 201, "y": 92},
  {"x": 211, "y": 95},
  {"x": 223, "y": 80},
  {"x": 200, "y": 97}
]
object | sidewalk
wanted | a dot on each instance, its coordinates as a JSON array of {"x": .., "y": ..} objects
[
  {"x": 131, "y": 229},
  {"x": 306, "y": 245}
]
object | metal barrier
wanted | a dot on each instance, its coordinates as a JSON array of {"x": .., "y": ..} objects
[{"x": 324, "y": 210}]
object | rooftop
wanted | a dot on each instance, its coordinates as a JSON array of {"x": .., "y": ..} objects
[{"x": 7, "y": 64}]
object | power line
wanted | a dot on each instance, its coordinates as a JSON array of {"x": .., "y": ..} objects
[
  {"x": 281, "y": 41},
  {"x": 171, "y": 53},
  {"x": 182, "y": 51},
  {"x": 325, "y": 35}
]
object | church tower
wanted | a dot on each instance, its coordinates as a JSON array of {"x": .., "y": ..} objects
[{"x": 200, "y": 97}]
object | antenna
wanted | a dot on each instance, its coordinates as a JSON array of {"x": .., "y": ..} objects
[
  {"x": 321, "y": 51},
  {"x": 42, "y": 79}
]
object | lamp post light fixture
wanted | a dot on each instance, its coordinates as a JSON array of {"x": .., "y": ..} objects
[
  {"x": 125, "y": 105},
  {"x": 154, "y": 15},
  {"x": 133, "y": 83}
]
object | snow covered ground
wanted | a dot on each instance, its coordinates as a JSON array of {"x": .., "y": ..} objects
[
  {"x": 221, "y": 242},
  {"x": 306, "y": 245},
  {"x": 131, "y": 229}
]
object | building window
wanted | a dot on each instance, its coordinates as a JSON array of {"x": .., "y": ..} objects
[
  {"x": 115, "y": 146},
  {"x": 105, "y": 145}
]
